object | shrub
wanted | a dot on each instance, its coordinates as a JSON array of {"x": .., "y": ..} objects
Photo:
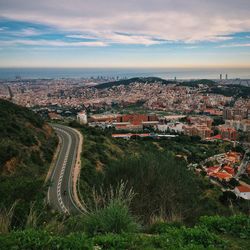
[
  {"x": 134, "y": 241},
  {"x": 163, "y": 227},
  {"x": 238, "y": 225},
  {"x": 200, "y": 236},
  {"x": 115, "y": 218},
  {"x": 31, "y": 239},
  {"x": 174, "y": 239},
  {"x": 114, "y": 241}
]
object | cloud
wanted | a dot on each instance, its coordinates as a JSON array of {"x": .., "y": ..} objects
[
  {"x": 150, "y": 21},
  {"x": 86, "y": 36},
  {"x": 25, "y": 32},
  {"x": 56, "y": 43},
  {"x": 3, "y": 29},
  {"x": 119, "y": 38},
  {"x": 29, "y": 32},
  {"x": 235, "y": 45},
  {"x": 192, "y": 47}
]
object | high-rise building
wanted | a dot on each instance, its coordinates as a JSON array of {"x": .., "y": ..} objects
[
  {"x": 226, "y": 77},
  {"x": 235, "y": 113}
]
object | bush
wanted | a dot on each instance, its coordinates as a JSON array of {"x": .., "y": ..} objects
[
  {"x": 175, "y": 239},
  {"x": 163, "y": 227},
  {"x": 200, "y": 236},
  {"x": 31, "y": 239},
  {"x": 115, "y": 218},
  {"x": 115, "y": 241},
  {"x": 238, "y": 225}
]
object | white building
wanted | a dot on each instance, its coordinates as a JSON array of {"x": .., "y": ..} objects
[
  {"x": 176, "y": 127},
  {"x": 243, "y": 192},
  {"x": 243, "y": 125},
  {"x": 82, "y": 117}
]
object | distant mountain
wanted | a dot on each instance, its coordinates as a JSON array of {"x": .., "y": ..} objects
[
  {"x": 236, "y": 91},
  {"x": 133, "y": 80},
  {"x": 27, "y": 144}
]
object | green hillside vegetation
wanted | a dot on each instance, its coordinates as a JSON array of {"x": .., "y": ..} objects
[
  {"x": 27, "y": 145},
  {"x": 133, "y": 80},
  {"x": 156, "y": 171},
  {"x": 138, "y": 195},
  {"x": 236, "y": 91}
]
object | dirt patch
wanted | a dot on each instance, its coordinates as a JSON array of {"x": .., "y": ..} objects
[
  {"x": 99, "y": 166},
  {"x": 10, "y": 166}
]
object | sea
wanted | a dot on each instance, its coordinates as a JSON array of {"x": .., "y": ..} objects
[{"x": 165, "y": 73}]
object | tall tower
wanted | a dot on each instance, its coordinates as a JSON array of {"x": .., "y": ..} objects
[
  {"x": 220, "y": 76},
  {"x": 226, "y": 77}
]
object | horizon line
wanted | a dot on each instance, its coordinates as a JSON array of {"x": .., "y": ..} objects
[{"x": 125, "y": 67}]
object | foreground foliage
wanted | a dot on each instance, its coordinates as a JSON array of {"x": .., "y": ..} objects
[{"x": 204, "y": 235}]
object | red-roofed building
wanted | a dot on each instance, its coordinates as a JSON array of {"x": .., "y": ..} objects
[
  {"x": 129, "y": 135},
  {"x": 222, "y": 175},
  {"x": 217, "y": 137},
  {"x": 243, "y": 192},
  {"x": 227, "y": 133},
  {"x": 137, "y": 119},
  {"x": 213, "y": 170},
  {"x": 229, "y": 170}
]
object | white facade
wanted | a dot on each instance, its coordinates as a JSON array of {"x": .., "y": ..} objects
[
  {"x": 173, "y": 127},
  {"x": 244, "y": 195},
  {"x": 82, "y": 118},
  {"x": 243, "y": 125}
]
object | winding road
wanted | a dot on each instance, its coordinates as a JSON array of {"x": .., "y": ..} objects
[{"x": 60, "y": 193}]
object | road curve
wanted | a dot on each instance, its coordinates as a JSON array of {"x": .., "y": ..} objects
[{"x": 60, "y": 194}]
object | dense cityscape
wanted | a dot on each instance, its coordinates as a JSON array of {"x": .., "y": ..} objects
[{"x": 149, "y": 107}]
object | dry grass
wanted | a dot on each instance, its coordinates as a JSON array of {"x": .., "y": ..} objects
[
  {"x": 172, "y": 217},
  {"x": 33, "y": 217},
  {"x": 102, "y": 198},
  {"x": 6, "y": 216}
]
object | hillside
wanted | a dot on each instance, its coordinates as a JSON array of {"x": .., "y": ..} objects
[
  {"x": 237, "y": 91},
  {"x": 133, "y": 80},
  {"x": 139, "y": 195},
  {"x": 151, "y": 168},
  {"x": 143, "y": 198},
  {"x": 27, "y": 144}
]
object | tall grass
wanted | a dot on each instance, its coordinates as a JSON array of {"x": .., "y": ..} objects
[
  {"x": 32, "y": 218},
  {"x": 172, "y": 217},
  {"x": 109, "y": 211},
  {"x": 101, "y": 198},
  {"x": 6, "y": 216}
]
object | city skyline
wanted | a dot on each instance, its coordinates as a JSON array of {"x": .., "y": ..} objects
[{"x": 142, "y": 33}]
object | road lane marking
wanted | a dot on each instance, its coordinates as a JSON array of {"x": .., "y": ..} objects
[{"x": 70, "y": 133}]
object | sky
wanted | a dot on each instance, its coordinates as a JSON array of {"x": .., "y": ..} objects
[{"x": 125, "y": 33}]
